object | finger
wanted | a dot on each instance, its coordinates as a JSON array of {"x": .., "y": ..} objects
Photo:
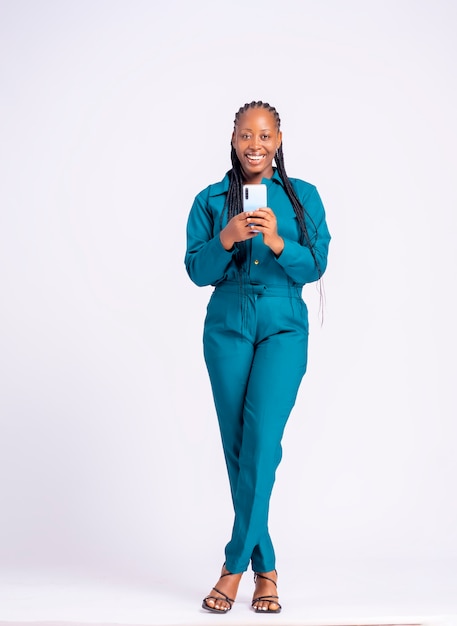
[
  {"x": 259, "y": 212},
  {"x": 263, "y": 214},
  {"x": 260, "y": 221}
]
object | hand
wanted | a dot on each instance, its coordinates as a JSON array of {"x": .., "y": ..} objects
[
  {"x": 236, "y": 230},
  {"x": 264, "y": 221}
]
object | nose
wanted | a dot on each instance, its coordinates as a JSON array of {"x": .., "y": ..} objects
[{"x": 255, "y": 142}]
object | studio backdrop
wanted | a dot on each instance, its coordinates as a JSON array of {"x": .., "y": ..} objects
[{"x": 114, "y": 115}]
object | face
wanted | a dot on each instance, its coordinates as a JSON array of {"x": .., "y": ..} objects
[{"x": 256, "y": 139}]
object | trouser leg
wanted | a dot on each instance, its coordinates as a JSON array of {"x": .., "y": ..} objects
[
  {"x": 228, "y": 356},
  {"x": 255, "y": 377},
  {"x": 278, "y": 367}
]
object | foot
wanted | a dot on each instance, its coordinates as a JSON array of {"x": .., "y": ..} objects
[
  {"x": 265, "y": 598},
  {"x": 223, "y": 594}
]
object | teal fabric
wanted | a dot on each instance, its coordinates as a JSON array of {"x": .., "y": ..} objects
[
  {"x": 255, "y": 346},
  {"x": 208, "y": 263}
]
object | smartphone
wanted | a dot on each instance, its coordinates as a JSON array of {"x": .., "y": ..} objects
[{"x": 254, "y": 197}]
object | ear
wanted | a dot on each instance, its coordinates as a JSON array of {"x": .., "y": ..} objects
[{"x": 279, "y": 142}]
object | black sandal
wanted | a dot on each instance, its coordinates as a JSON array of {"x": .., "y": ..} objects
[
  {"x": 270, "y": 599},
  {"x": 224, "y": 597}
]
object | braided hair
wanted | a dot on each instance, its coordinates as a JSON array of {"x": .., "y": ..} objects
[{"x": 234, "y": 200}]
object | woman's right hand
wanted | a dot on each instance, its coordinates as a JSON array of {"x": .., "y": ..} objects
[{"x": 236, "y": 230}]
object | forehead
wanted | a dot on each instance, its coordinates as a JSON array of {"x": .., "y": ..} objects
[{"x": 257, "y": 118}]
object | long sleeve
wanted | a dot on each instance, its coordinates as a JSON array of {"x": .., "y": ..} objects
[
  {"x": 208, "y": 263},
  {"x": 206, "y": 259},
  {"x": 296, "y": 259}
]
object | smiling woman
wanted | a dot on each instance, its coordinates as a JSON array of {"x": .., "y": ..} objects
[
  {"x": 255, "y": 140},
  {"x": 256, "y": 330}
]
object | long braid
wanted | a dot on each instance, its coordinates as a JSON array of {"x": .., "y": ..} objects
[
  {"x": 299, "y": 209},
  {"x": 234, "y": 200},
  {"x": 234, "y": 203}
]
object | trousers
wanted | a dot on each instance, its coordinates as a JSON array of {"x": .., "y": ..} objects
[{"x": 255, "y": 343}]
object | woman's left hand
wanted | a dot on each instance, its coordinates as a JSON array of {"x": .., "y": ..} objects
[{"x": 264, "y": 221}]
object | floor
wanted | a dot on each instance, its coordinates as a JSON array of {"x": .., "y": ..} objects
[{"x": 324, "y": 595}]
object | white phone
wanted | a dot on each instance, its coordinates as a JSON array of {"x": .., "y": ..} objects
[{"x": 254, "y": 197}]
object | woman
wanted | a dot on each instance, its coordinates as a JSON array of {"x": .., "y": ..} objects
[{"x": 256, "y": 330}]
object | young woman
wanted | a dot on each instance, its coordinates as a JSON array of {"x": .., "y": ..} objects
[{"x": 256, "y": 330}]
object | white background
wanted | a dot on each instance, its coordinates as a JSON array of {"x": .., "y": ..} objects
[{"x": 114, "y": 115}]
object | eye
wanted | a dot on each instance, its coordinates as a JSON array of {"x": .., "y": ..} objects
[
  {"x": 265, "y": 137},
  {"x": 245, "y": 136}
]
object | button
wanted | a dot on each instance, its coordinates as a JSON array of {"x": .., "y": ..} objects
[{"x": 256, "y": 262}]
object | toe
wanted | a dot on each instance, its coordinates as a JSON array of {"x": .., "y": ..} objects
[
  {"x": 209, "y": 602},
  {"x": 266, "y": 605},
  {"x": 218, "y": 604},
  {"x": 221, "y": 605}
]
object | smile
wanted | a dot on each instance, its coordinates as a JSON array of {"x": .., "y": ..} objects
[{"x": 255, "y": 158}]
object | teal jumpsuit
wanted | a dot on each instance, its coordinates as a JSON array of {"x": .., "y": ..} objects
[{"x": 255, "y": 346}]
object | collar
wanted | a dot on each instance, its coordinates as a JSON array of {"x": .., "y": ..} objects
[{"x": 220, "y": 188}]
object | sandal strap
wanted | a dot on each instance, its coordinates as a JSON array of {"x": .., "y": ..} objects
[
  {"x": 269, "y": 599},
  {"x": 224, "y": 596},
  {"x": 206, "y": 606},
  {"x": 265, "y": 578}
]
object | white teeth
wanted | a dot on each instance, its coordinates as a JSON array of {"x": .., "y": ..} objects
[{"x": 253, "y": 157}]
